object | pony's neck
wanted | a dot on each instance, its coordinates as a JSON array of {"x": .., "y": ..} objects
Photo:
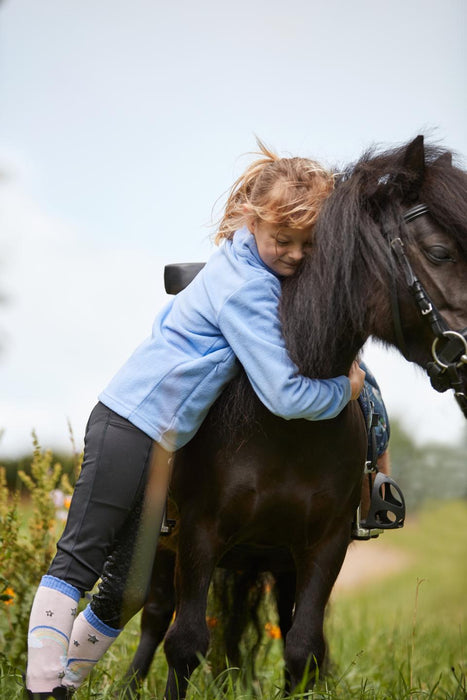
[
  {"x": 340, "y": 296},
  {"x": 321, "y": 336}
]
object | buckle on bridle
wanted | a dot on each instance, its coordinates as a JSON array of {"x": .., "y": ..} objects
[{"x": 427, "y": 311}]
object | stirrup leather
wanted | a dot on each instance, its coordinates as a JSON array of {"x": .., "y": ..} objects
[{"x": 167, "y": 524}]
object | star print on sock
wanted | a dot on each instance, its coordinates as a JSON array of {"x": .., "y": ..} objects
[
  {"x": 61, "y": 675},
  {"x": 76, "y": 643},
  {"x": 49, "y": 613},
  {"x": 73, "y": 612},
  {"x": 92, "y": 638}
]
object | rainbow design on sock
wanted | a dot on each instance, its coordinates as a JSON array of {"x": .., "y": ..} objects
[
  {"x": 77, "y": 669},
  {"x": 40, "y": 635}
]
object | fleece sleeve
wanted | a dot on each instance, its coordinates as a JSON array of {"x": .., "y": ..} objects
[{"x": 249, "y": 321}]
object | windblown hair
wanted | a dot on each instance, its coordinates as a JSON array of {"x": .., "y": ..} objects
[{"x": 284, "y": 191}]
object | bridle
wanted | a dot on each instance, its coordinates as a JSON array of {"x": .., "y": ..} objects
[{"x": 449, "y": 348}]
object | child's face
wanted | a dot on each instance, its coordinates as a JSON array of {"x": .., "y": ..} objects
[{"x": 281, "y": 249}]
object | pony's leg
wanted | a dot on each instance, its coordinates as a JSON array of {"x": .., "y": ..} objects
[
  {"x": 155, "y": 620},
  {"x": 188, "y": 637},
  {"x": 285, "y": 597},
  {"x": 239, "y": 612},
  {"x": 317, "y": 570},
  {"x": 285, "y": 589},
  {"x": 231, "y": 605}
]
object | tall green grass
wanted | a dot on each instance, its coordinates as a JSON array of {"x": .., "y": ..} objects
[{"x": 400, "y": 637}]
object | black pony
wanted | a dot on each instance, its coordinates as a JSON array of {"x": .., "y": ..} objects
[{"x": 389, "y": 260}]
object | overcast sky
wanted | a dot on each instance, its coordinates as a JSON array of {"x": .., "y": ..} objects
[{"x": 121, "y": 123}]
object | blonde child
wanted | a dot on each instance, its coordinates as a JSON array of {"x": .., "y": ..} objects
[{"x": 227, "y": 317}]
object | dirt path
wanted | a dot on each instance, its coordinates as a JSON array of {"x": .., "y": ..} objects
[{"x": 368, "y": 562}]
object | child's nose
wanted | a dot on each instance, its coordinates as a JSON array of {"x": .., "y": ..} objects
[{"x": 297, "y": 253}]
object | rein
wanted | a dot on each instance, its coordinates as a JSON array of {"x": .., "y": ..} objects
[{"x": 449, "y": 348}]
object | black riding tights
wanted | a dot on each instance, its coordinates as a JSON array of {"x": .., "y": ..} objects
[{"x": 105, "y": 513}]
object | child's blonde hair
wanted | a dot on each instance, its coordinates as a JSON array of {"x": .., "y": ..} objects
[{"x": 283, "y": 191}]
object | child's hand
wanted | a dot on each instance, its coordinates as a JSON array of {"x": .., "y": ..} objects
[{"x": 357, "y": 378}]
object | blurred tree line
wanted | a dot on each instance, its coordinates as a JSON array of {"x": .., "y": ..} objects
[
  {"x": 429, "y": 471},
  {"x": 424, "y": 472}
]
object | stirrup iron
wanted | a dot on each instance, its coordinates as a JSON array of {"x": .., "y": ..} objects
[{"x": 387, "y": 508}]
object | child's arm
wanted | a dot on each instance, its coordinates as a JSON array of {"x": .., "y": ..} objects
[{"x": 249, "y": 321}]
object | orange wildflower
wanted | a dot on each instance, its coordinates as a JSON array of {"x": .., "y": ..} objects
[
  {"x": 212, "y": 622},
  {"x": 272, "y": 631},
  {"x": 12, "y": 595}
]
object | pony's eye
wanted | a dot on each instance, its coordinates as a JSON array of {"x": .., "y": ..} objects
[{"x": 439, "y": 254}]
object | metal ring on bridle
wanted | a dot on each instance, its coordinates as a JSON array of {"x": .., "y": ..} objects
[{"x": 453, "y": 334}]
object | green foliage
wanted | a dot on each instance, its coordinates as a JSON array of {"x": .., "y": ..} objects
[
  {"x": 26, "y": 548},
  {"x": 408, "y": 630},
  {"x": 13, "y": 467}
]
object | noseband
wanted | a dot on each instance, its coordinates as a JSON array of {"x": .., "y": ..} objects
[{"x": 449, "y": 348}]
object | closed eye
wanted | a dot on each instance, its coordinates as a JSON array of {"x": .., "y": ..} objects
[{"x": 438, "y": 254}]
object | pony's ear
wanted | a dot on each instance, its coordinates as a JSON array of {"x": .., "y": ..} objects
[
  {"x": 414, "y": 164},
  {"x": 444, "y": 159}
]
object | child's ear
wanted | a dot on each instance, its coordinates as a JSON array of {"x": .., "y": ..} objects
[{"x": 250, "y": 217}]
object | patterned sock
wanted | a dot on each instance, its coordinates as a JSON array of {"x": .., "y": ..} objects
[
  {"x": 89, "y": 640},
  {"x": 52, "y": 615}
]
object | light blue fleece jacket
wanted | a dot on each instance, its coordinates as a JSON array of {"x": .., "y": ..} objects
[{"x": 227, "y": 315}]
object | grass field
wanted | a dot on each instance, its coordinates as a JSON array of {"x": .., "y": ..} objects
[{"x": 399, "y": 636}]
